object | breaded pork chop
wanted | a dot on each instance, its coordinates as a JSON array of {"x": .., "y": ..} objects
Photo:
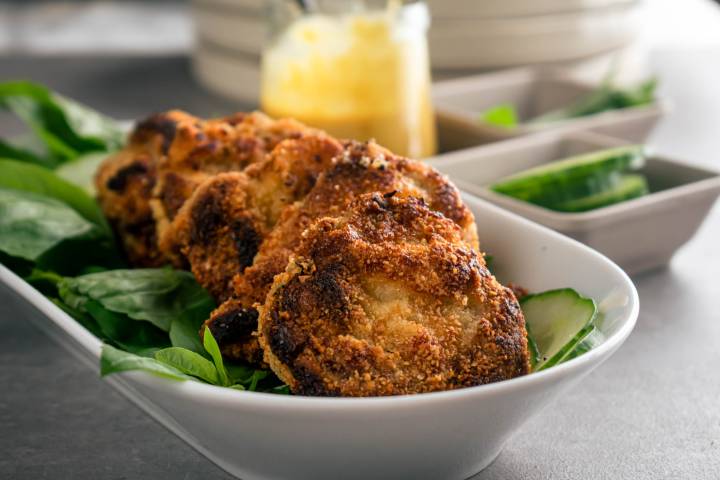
[
  {"x": 388, "y": 299},
  {"x": 224, "y": 145},
  {"x": 363, "y": 168},
  {"x": 221, "y": 227},
  {"x": 125, "y": 182},
  {"x": 143, "y": 186}
]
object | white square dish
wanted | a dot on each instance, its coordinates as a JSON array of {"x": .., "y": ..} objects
[
  {"x": 449, "y": 435},
  {"x": 634, "y": 233},
  {"x": 459, "y": 102}
]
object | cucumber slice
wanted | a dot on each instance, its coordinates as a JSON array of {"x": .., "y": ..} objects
[
  {"x": 592, "y": 340},
  {"x": 557, "y": 320},
  {"x": 545, "y": 178},
  {"x": 629, "y": 187},
  {"x": 549, "y": 196}
]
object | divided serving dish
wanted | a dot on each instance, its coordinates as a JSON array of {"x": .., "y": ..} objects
[
  {"x": 449, "y": 435},
  {"x": 532, "y": 91},
  {"x": 638, "y": 234}
]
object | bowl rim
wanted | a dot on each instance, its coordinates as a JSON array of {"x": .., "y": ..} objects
[{"x": 202, "y": 392}]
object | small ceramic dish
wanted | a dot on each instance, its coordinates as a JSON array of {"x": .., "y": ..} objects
[
  {"x": 532, "y": 92},
  {"x": 638, "y": 234},
  {"x": 448, "y": 435}
]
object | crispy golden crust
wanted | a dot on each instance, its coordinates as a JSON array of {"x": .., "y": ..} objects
[
  {"x": 125, "y": 183},
  {"x": 363, "y": 168},
  {"x": 221, "y": 227},
  {"x": 168, "y": 155},
  {"x": 204, "y": 149},
  {"x": 388, "y": 299}
]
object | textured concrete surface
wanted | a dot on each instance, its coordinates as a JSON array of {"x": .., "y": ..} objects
[{"x": 651, "y": 412}]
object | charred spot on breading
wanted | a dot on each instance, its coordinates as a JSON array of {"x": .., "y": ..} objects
[
  {"x": 168, "y": 155},
  {"x": 119, "y": 181},
  {"x": 247, "y": 241},
  {"x": 234, "y": 324},
  {"x": 387, "y": 298},
  {"x": 159, "y": 123},
  {"x": 285, "y": 343},
  {"x": 207, "y": 216}
]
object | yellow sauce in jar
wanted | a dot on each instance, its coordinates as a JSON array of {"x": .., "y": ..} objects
[{"x": 359, "y": 76}]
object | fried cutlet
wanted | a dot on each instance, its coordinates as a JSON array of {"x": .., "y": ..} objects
[
  {"x": 389, "y": 299},
  {"x": 363, "y": 168},
  {"x": 221, "y": 227},
  {"x": 168, "y": 155}
]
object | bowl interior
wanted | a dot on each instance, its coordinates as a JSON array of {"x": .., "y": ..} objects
[
  {"x": 475, "y": 169},
  {"x": 536, "y": 258},
  {"x": 529, "y": 92},
  {"x": 483, "y": 166}
]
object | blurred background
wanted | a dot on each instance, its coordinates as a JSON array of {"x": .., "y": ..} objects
[{"x": 225, "y": 37}]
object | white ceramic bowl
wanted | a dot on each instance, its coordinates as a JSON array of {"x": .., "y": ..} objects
[
  {"x": 232, "y": 75},
  {"x": 238, "y": 33},
  {"x": 511, "y": 8},
  {"x": 247, "y": 7},
  {"x": 448, "y": 435},
  {"x": 471, "y": 43}
]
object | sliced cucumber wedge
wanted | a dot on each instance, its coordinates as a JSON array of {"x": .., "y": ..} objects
[
  {"x": 592, "y": 340},
  {"x": 557, "y": 321},
  {"x": 560, "y": 193},
  {"x": 574, "y": 170},
  {"x": 629, "y": 187}
]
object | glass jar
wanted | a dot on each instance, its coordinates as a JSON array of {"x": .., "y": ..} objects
[{"x": 354, "y": 69}]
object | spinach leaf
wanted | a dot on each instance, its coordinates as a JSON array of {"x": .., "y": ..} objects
[
  {"x": 32, "y": 178},
  {"x": 113, "y": 360},
  {"x": 82, "y": 318},
  {"x": 36, "y": 228},
  {"x": 9, "y": 150},
  {"x": 213, "y": 349},
  {"x": 81, "y": 171},
  {"x": 189, "y": 363},
  {"x": 155, "y": 295},
  {"x": 66, "y": 128},
  {"x": 606, "y": 97},
  {"x": 503, "y": 115},
  {"x": 184, "y": 333},
  {"x": 140, "y": 338}
]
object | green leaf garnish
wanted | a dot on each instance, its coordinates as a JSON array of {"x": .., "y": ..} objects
[{"x": 504, "y": 116}]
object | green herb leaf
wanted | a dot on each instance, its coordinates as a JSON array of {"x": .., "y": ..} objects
[
  {"x": 15, "y": 152},
  {"x": 32, "y": 178},
  {"x": 113, "y": 360},
  {"x": 140, "y": 338},
  {"x": 156, "y": 295},
  {"x": 189, "y": 363},
  {"x": 504, "y": 116},
  {"x": 65, "y": 127},
  {"x": 35, "y": 227},
  {"x": 213, "y": 349},
  {"x": 604, "y": 98}
]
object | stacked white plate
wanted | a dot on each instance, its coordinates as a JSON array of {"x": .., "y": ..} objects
[
  {"x": 230, "y": 35},
  {"x": 484, "y": 34},
  {"x": 466, "y": 35}
]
